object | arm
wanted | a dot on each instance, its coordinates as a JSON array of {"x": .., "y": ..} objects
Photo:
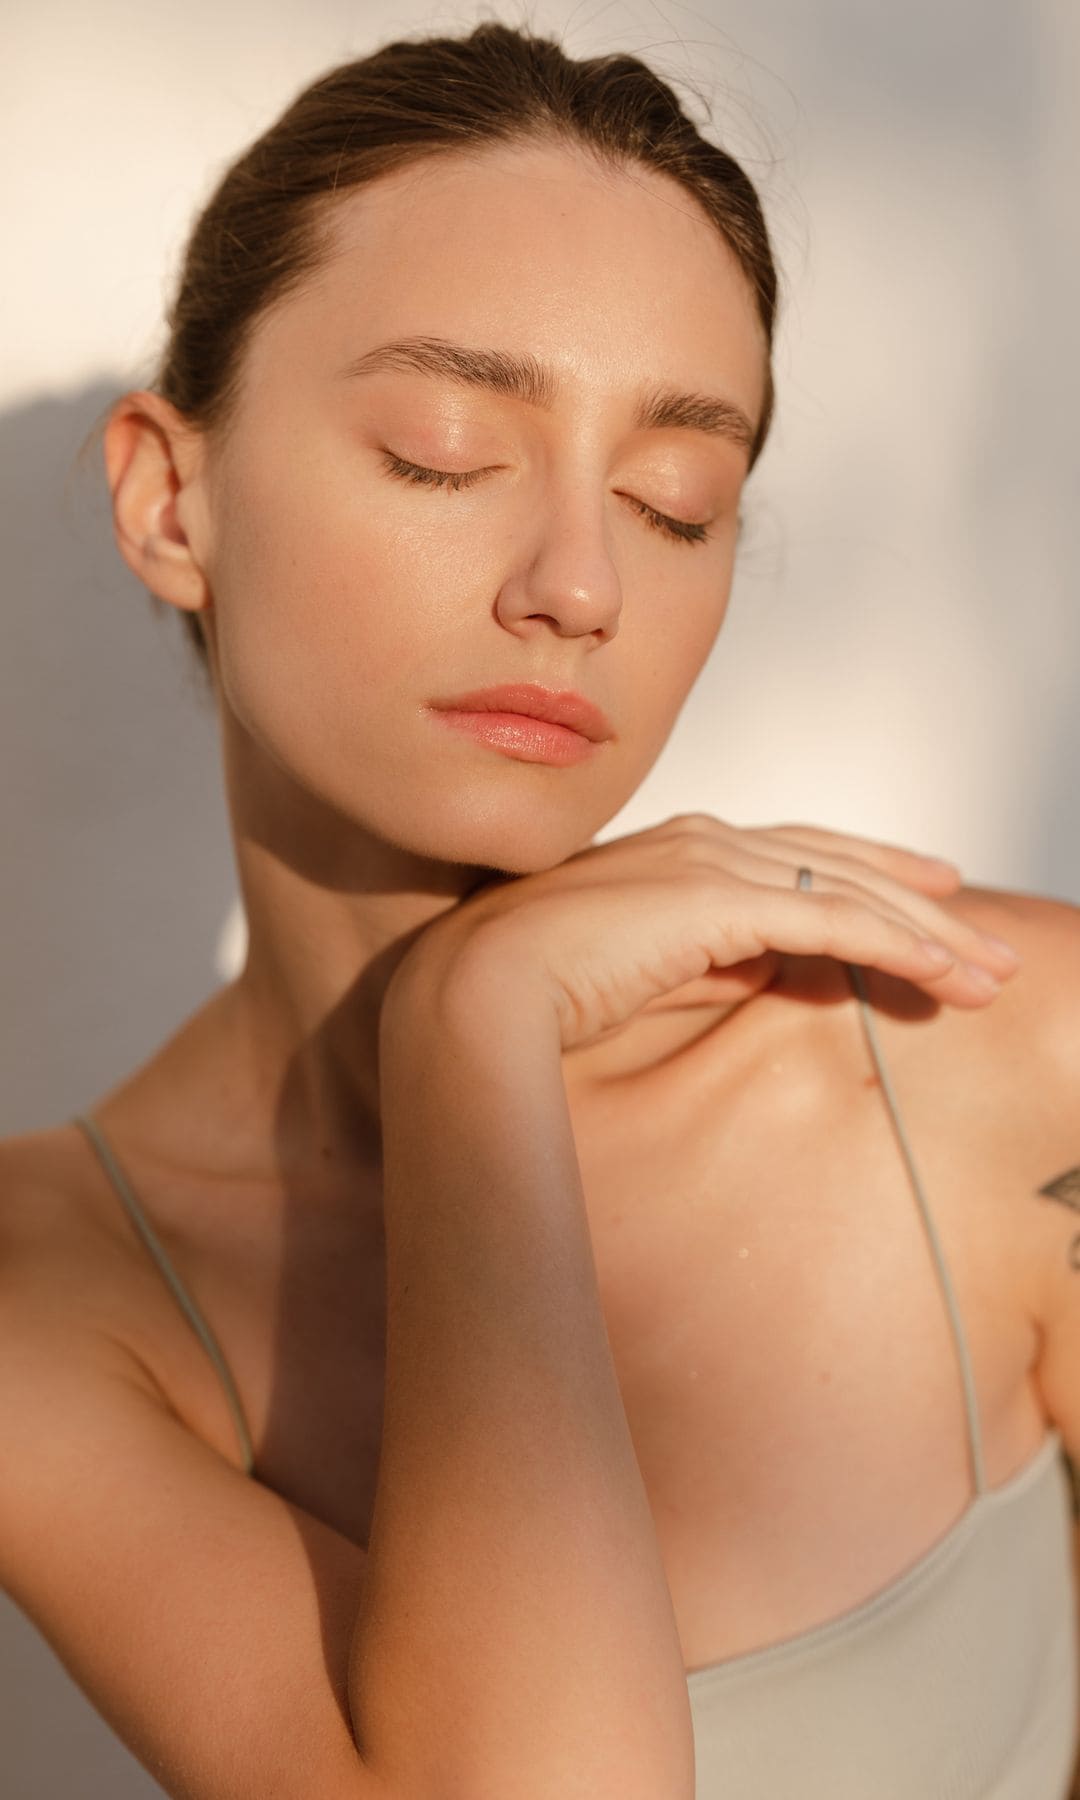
[
  {"x": 510, "y": 1631},
  {"x": 515, "y": 1633}
]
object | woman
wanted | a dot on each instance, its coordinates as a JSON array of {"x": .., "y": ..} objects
[{"x": 557, "y": 1385}]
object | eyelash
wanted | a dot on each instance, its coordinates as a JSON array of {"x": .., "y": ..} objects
[{"x": 678, "y": 529}]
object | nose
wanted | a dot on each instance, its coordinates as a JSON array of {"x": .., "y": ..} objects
[{"x": 566, "y": 573}]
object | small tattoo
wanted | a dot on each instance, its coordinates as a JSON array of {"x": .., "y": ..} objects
[{"x": 1066, "y": 1189}]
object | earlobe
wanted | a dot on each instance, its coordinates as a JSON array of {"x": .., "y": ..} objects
[{"x": 152, "y": 466}]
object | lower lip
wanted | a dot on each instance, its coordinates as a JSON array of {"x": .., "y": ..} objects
[{"x": 530, "y": 740}]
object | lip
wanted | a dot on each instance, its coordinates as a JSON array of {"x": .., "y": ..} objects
[{"x": 564, "y": 707}]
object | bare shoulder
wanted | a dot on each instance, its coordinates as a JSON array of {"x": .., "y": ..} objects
[
  {"x": 47, "y": 1212},
  {"x": 1035, "y": 1021},
  {"x": 1034, "y": 1025},
  {"x": 1044, "y": 929},
  {"x": 63, "y": 1246},
  {"x": 1033, "y": 1036},
  {"x": 206, "y": 1618},
  {"x": 1029, "y": 1055},
  {"x": 1028, "y": 1036}
]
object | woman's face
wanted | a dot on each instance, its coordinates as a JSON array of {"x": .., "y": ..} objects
[{"x": 347, "y": 597}]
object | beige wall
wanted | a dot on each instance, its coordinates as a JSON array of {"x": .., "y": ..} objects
[{"x": 902, "y": 650}]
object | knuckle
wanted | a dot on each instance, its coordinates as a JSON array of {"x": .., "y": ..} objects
[
  {"x": 834, "y": 907},
  {"x": 692, "y": 823},
  {"x": 696, "y": 822},
  {"x": 837, "y": 915},
  {"x": 688, "y": 835}
]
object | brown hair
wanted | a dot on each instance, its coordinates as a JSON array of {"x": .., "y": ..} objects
[{"x": 267, "y": 222}]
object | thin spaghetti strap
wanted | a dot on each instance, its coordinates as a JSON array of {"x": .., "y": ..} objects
[
  {"x": 184, "y": 1300},
  {"x": 971, "y": 1405}
]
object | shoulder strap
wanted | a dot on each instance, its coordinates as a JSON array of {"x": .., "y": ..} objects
[
  {"x": 963, "y": 1355},
  {"x": 187, "y": 1305}
]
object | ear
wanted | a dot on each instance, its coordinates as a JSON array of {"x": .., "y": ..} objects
[{"x": 154, "y": 460}]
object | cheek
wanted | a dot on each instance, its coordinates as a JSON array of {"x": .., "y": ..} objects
[
  {"x": 690, "y": 617},
  {"x": 673, "y": 643},
  {"x": 315, "y": 603}
]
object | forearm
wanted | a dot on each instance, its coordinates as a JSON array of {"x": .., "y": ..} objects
[{"x": 515, "y": 1633}]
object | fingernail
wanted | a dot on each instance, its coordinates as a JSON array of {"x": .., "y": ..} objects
[
  {"x": 981, "y": 978},
  {"x": 1002, "y": 948},
  {"x": 935, "y": 952}
]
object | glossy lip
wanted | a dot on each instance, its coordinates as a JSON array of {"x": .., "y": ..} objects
[{"x": 563, "y": 708}]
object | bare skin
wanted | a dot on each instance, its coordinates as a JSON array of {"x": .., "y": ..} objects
[
  {"x": 340, "y": 599},
  {"x": 780, "y": 1338}
]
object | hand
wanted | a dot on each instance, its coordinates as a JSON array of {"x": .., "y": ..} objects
[{"x": 623, "y": 923}]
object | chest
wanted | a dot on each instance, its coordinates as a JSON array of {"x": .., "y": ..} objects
[
  {"x": 779, "y": 1329},
  {"x": 785, "y": 1354},
  {"x": 774, "y": 1311}
]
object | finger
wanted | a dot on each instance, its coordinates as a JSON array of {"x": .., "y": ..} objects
[
  {"x": 844, "y": 873},
  {"x": 973, "y": 957},
  {"x": 931, "y": 873},
  {"x": 894, "y": 901},
  {"x": 838, "y": 925}
]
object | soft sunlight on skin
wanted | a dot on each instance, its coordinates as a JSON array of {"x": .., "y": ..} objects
[{"x": 340, "y": 597}]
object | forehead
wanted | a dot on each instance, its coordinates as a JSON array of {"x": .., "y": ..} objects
[{"x": 608, "y": 274}]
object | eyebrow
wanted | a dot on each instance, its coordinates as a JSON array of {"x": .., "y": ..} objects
[{"x": 525, "y": 377}]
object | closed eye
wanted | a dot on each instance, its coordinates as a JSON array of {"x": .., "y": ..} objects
[{"x": 679, "y": 529}]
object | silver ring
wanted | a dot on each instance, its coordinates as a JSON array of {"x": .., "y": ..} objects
[{"x": 805, "y": 877}]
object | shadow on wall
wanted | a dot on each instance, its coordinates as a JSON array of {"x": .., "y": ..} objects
[
  {"x": 49, "y": 1729},
  {"x": 118, "y": 873},
  {"x": 118, "y": 859}
]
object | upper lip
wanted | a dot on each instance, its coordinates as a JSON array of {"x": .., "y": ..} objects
[{"x": 558, "y": 708}]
